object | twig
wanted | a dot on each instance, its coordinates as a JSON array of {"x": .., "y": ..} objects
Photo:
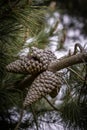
[
  {"x": 34, "y": 115},
  {"x": 77, "y": 45},
  {"x": 78, "y": 75},
  {"x": 20, "y": 119},
  {"x": 51, "y": 104}
]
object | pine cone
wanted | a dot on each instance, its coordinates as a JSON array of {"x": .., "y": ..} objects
[
  {"x": 42, "y": 85},
  {"x": 37, "y": 61},
  {"x": 25, "y": 65},
  {"x": 44, "y": 56}
]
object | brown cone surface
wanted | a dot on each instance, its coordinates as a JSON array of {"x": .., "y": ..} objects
[
  {"x": 42, "y": 85},
  {"x": 37, "y": 61},
  {"x": 25, "y": 66}
]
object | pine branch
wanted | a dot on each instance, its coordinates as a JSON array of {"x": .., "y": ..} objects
[
  {"x": 27, "y": 81},
  {"x": 69, "y": 61}
]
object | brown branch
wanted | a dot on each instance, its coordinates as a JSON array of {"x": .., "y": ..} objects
[
  {"x": 26, "y": 82},
  {"x": 20, "y": 119},
  {"x": 69, "y": 61}
]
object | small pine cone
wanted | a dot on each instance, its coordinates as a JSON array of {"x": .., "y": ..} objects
[{"x": 42, "y": 85}]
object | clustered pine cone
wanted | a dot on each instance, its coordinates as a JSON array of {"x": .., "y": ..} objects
[
  {"x": 44, "y": 84},
  {"x": 25, "y": 65},
  {"x": 37, "y": 62}
]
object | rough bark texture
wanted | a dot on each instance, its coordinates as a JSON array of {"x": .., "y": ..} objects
[{"x": 69, "y": 61}]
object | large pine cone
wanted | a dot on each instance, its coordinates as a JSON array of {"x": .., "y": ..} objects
[
  {"x": 25, "y": 65},
  {"x": 44, "y": 84},
  {"x": 36, "y": 61}
]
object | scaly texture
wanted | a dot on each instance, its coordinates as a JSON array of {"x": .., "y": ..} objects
[
  {"x": 36, "y": 61},
  {"x": 44, "y": 84},
  {"x": 25, "y": 65}
]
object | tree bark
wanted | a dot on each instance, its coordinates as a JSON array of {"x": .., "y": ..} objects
[{"x": 69, "y": 61}]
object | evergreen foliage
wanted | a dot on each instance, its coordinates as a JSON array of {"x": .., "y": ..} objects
[{"x": 16, "y": 19}]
